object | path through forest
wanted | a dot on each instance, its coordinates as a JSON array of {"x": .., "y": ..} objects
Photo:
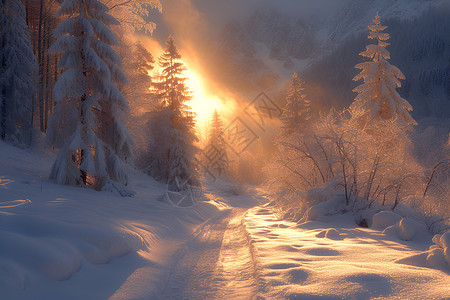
[{"x": 215, "y": 263}]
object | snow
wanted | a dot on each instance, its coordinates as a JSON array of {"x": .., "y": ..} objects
[
  {"x": 334, "y": 259},
  {"x": 62, "y": 242},
  {"x": 385, "y": 219},
  {"x": 439, "y": 254},
  {"x": 318, "y": 211},
  {"x": 408, "y": 228},
  {"x": 404, "y": 228}
]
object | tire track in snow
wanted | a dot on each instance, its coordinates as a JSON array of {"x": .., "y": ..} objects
[{"x": 215, "y": 263}]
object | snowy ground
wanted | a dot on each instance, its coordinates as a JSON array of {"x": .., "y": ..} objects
[
  {"x": 337, "y": 260},
  {"x": 60, "y": 242}
]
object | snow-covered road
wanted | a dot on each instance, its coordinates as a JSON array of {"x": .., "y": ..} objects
[{"x": 215, "y": 263}]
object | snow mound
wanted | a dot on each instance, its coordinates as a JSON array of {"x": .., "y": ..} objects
[
  {"x": 385, "y": 219},
  {"x": 445, "y": 243},
  {"x": 436, "y": 257},
  {"x": 330, "y": 207},
  {"x": 54, "y": 248},
  {"x": 408, "y": 228},
  {"x": 439, "y": 253}
]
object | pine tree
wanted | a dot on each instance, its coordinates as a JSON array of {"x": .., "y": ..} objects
[
  {"x": 17, "y": 67},
  {"x": 176, "y": 128},
  {"x": 215, "y": 151},
  {"x": 171, "y": 90},
  {"x": 142, "y": 64},
  {"x": 297, "y": 111},
  {"x": 377, "y": 97},
  {"x": 137, "y": 65},
  {"x": 86, "y": 122}
]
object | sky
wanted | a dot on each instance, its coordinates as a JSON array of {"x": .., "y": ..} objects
[{"x": 199, "y": 28}]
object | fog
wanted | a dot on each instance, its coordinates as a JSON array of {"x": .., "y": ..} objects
[{"x": 243, "y": 48}]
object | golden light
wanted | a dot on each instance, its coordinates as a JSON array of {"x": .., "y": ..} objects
[{"x": 202, "y": 103}]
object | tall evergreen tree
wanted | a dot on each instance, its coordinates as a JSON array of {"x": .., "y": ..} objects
[
  {"x": 175, "y": 123},
  {"x": 171, "y": 89},
  {"x": 377, "y": 97},
  {"x": 87, "y": 118},
  {"x": 137, "y": 65},
  {"x": 215, "y": 152},
  {"x": 297, "y": 111},
  {"x": 17, "y": 66}
]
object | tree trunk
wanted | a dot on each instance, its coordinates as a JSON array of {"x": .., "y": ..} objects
[
  {"x": 3, "y": 89},
  {"x": 41, "y": 66},
  {"x": 47, "y": 75}
]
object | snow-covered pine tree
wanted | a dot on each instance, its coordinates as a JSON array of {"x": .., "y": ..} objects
[
  {"x": 137, "y": 64},
  {"x": 176, "y": 128},
  {"x": 17, "y": 67},
  {"x": 215, "y": 151},
  {"x": 297, "y": 111},
  {"x": 141, "y": 63},
  {"x": 377, "y": 97},
  {"x": 86, "y": 121},
  {"x": 171, "y": 89}
]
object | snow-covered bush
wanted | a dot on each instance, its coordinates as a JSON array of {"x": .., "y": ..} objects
[{"x": 368, "y": 166}]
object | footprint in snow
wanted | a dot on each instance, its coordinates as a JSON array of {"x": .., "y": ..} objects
[
  {"x": 262, "y": 233},
  {"x": 297, "y": 276},
  {"x": 280, "y": 266},
  {"x": 286, "y": 248},
  {"x": 322, "y": 252},
  {"x": 373, "y": 285},
  {"x": 331, "y": 234},
  {"x": 279, "y": 226},
  {"x": 263, "y": 212}
]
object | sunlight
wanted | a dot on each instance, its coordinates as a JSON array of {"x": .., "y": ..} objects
[{"x": 202, "y": 103}]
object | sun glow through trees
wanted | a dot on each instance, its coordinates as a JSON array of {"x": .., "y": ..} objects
[{"x": 202, "y": 103}]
